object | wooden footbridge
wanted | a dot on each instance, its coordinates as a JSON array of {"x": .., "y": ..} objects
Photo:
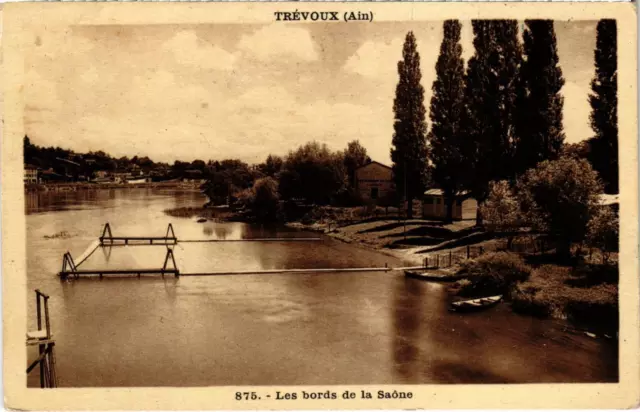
[{"x": 71, "y": 268}]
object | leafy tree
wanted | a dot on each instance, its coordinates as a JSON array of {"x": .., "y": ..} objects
[
  {"x": 447, "y": 111},
  {"x": 198, "y": 165},
  {"x": 603, "y": 231},
  {"x": 560, "y": 197},
  {"x": 501, "y": 211},
  {"x": 539, "y": 131},
  {"x": 355, "y": 156},
  {"x": 226, "y": 180},
  {"x": 409, "y": 151},
  {"x": 312, "y": 172},
  {"x": 177, "y": 170},
  {"x": 604, "y": 106},
  {"x": 263, "y": 199},
  {"x": 490, "y": 95},
  {"x": 272, "y": 166},
  {"x": 579, "y": 150}
]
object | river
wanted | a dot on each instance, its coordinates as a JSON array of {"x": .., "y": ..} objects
[{"x": 284, "y": 329}]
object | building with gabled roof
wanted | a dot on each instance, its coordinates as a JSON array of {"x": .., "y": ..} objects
[{"x": 374, "y": 181}]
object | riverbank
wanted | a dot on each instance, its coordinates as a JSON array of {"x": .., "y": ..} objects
[
  {"x": 76, "y": 186},
  {"x": 585, "y": 295}
]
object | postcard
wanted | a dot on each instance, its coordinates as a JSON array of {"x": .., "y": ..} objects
[{"x": 319, "y": 206}]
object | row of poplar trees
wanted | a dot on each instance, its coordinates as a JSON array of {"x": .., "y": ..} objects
[{"x": 500, "y": 116}]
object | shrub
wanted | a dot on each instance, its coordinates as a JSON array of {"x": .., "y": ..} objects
[
  {"x": 603, "y": 231},
  {"x": 493, "y": 273},
  {"x": 560, "y": 197},
  {"x": 265, "y": 198},
  {"x": 501, "y": 211},
  {"x": 262, "y": 199}
]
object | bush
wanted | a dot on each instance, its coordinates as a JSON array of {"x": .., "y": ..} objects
[
  {"x": 262, "y": 199},
  {"x": 560, "y": 197},
  {"x": 493, "y": 273},
  {"x": 501, "y": 211},
  {"x": 265, "y": 199},
  {"x": 603, "y": 231}
]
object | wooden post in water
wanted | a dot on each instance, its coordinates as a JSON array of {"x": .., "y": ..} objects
[
  {"x": 170, "y": 231},
  {"x": 107, "y": 229},
  {"x": 40, "y": 347},
  {"x": 46, "y": 358},
  {"x": 173, "y": 260}
]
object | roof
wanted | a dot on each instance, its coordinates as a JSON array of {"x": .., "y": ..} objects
[
  {"x": 372, "y": 162},
  {"x": 67, "y": 161},
  {"x": 607, "y": 199}
]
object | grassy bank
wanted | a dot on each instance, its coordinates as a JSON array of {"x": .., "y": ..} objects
[
  {"x": 584, "y": 294},
  {"x": 587, "y": 296}
]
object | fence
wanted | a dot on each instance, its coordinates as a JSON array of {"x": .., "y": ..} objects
[{"x": 451, "y": 258}]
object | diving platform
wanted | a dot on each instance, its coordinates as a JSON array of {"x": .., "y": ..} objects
[
  {"x": 107, "y": 238},
  {"x": 71, "y": 268}
]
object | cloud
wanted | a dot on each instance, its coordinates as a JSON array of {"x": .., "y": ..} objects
[
  {"x": 369, "y": 58},
  {"x": 279, "y": 41},
  {"x": 191, "y": 51}
]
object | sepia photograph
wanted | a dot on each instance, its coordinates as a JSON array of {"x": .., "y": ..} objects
[{"x": 319, "y": 197}]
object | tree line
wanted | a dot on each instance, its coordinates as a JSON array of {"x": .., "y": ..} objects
[
  {"x": 501, "y": 115},
  {"x": 311, "y": 173}
]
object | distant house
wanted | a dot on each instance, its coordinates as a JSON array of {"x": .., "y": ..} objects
[
  {"x": 50, "y": 176},
  {"x": 373, "y": 181},
  {"x": 30, "y": 174},
  {"x": 136, "y": 170},
  {"x": 139, "y": 179},
  {"x": 193, "y": 175},
  {"x": 434, "y": 206},
  {"x": 121, "y": 176},
  {"x": 102, "y": 174},
  {"x": 68, "y": 168}
]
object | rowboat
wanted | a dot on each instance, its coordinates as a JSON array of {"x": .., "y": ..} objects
[
  {"x": 437, "y": 277},
  {"x": 475, "y": 304}
]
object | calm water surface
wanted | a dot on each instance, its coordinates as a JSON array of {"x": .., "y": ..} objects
[{"x": 342, "y": 328}]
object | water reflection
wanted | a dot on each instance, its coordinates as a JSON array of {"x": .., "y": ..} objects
[
  {"x": 340, "y": 328},
  {"x": 406, "y": 328}
]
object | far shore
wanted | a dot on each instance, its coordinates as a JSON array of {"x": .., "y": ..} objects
[{"x": 75, "y": 186}]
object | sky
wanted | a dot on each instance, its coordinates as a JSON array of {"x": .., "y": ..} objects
[{"x": 215, "y": 91}]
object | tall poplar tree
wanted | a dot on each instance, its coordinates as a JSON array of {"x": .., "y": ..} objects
[
  {"x": 604, "y": 105},
  {"x": 447, "y": 108},
  {"x": 539, "y": 131},
  {"x": 490, "y": 99},
  {"x": 409, "y": 146}
]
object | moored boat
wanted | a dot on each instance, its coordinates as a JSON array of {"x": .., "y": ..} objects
[{"x": 475, "y": 304}]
